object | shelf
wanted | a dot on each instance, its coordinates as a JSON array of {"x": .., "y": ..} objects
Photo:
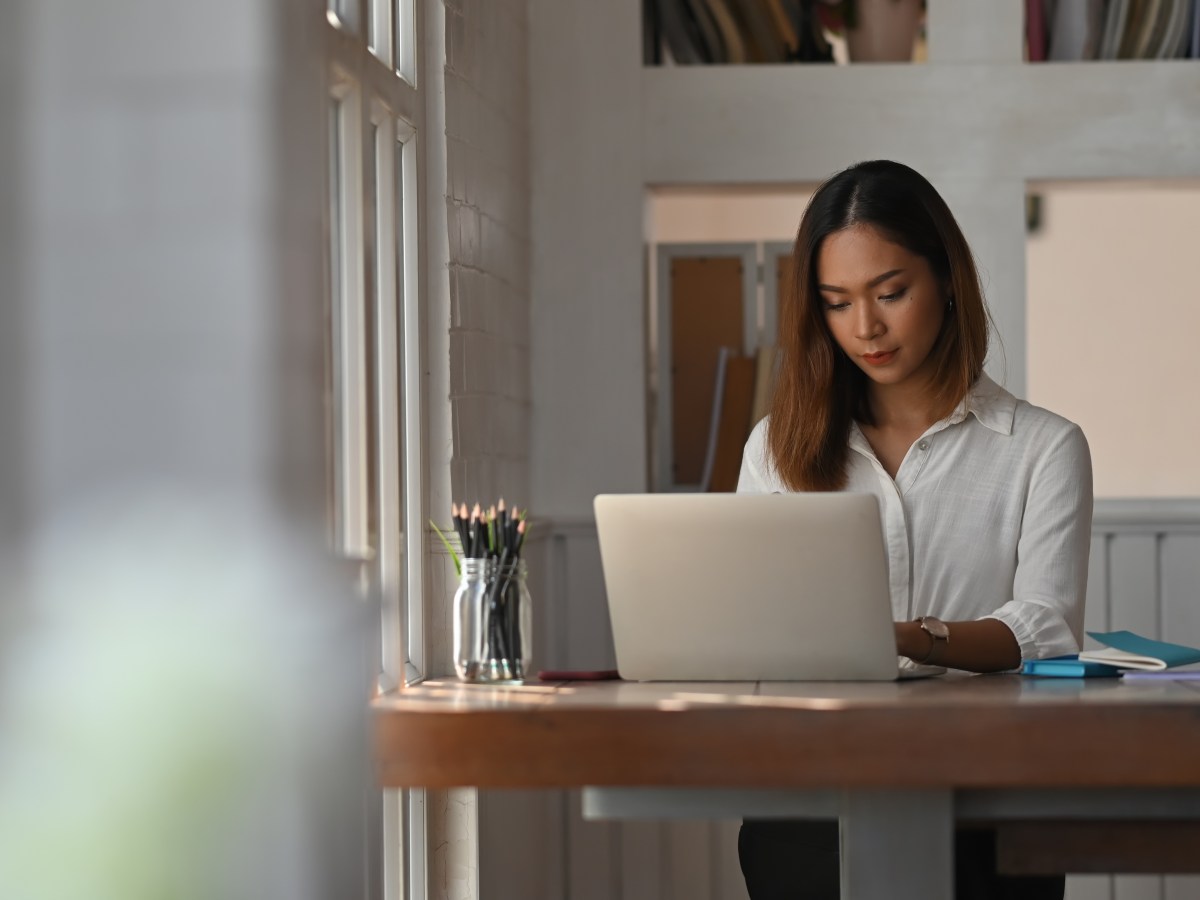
[{"x": 793, "y": 124}]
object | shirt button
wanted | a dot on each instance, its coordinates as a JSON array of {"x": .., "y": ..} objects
[{"x": 924, "y": 445}]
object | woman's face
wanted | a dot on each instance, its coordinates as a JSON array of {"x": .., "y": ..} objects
[{"x": 883, "y": 304}]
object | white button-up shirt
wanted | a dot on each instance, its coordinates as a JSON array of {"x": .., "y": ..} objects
[{"x": 989, "y": 516}]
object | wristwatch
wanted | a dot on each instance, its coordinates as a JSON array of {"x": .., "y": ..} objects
[{"x": 938, "y": 631}]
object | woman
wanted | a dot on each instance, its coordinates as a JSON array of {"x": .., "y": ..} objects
[{"x": 986, "y": 500}]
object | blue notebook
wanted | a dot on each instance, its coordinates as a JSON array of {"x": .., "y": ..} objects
[
  {"x": 1130, "y": 651},
  {"x": 1069, "y": 667}
]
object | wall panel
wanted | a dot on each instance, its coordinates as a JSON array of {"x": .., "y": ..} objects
[{"x": 642, "y": 861}]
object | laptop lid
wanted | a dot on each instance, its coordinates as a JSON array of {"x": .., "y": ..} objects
[{"x": 742, "y": 587}]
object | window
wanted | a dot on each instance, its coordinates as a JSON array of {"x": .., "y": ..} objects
[{"x": 374, "y": 254}]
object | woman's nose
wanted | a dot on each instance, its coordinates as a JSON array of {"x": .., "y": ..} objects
[{"x": 867, "y": 324}]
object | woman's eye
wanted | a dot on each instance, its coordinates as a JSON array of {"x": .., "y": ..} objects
[
  {"x": 895, "y": 295},
  {"x": 835, "y": 307}
]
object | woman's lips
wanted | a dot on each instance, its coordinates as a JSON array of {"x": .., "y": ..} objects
[{"x": 879, "y": 359}]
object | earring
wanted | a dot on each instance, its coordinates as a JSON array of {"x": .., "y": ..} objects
[{"x": 950, "y": 305}]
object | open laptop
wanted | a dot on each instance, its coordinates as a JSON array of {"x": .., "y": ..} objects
[{"x": 741, "y": 587}]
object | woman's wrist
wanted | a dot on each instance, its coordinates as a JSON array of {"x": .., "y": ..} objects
[{"x": 912, "y": 641}]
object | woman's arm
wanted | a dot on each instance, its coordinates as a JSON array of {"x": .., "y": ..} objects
[
  {"x": 984, "y": 645},
  {"x": 1050, "y": 584},
  {"x": 1045, "y": 615}
]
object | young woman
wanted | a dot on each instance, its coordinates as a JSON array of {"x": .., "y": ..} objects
[{"x": 986, "y": 500}]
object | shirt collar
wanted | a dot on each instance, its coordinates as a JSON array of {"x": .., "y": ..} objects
[{"x": 992, "y": 405}]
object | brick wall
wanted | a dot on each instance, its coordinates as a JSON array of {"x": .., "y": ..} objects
[
  {"x": 488, "y": 209},
  {"x": 488, "y": 226}
]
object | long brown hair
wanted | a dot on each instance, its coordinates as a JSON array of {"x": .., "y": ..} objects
[{"x": 819, "y": 392}]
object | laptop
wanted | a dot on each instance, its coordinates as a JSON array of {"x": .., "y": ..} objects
[{"x": 748, "y": 587}]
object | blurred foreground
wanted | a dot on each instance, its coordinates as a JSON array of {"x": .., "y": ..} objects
[{"x": 182, "y": 699}]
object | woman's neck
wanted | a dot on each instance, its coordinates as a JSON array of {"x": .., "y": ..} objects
[{"x": 910, "y": 406}]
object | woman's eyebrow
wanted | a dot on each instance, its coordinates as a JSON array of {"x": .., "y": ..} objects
[{"x": 878, "y": 279}]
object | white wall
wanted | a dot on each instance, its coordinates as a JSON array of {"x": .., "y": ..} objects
[
  {"x": 718, "y": 215},
  {"x": 589, "y": 397},
  {"x": 1113, "y": 328}
]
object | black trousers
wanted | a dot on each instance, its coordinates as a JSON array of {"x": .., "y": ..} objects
[{"x": 798, "y": 860}]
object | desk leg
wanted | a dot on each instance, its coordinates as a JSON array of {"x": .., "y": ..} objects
[{"x": 897, "y": 845}]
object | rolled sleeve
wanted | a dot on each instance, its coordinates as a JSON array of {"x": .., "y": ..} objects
[{"x": 1039, "y": 627}]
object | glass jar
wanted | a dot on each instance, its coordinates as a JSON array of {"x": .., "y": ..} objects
[
  {"x": 469, "y": 625},
  {"x": 493, "y": 622}
]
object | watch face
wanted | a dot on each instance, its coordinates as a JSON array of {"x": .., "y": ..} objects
[{"x": 936, "y": 628}]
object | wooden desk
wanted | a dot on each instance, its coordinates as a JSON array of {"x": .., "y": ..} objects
[{"x": 897, "y": 763}]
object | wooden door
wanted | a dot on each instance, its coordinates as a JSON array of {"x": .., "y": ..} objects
[{"x": 707, "y": 312}]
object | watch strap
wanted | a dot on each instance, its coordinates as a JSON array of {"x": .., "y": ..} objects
[{"x": 938, "y": 636}]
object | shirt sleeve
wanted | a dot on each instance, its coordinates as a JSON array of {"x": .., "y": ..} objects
[
  {"x": 1050, "y": 585},
  {"x": 751, "y": 479}
]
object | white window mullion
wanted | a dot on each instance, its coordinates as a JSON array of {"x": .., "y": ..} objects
[
  {"x": 389, "y": 472},
  {"x": 416, "y": 849},
  {"x": 408, "y": 274},
  {"x": 349, "y": 328},
  {"x": 388, "y": 447}
]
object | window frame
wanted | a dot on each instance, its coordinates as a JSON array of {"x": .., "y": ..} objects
[
  {"x": 347, "y": 325},
  {"x": 376, "y": 206},
  {"x": 375, "y": 99}
]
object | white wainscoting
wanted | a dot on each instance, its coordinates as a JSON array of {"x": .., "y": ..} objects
[{"x": 1144, "y": 576}]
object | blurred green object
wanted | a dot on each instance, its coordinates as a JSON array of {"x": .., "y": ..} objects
[{"x": 181, "y": 713}]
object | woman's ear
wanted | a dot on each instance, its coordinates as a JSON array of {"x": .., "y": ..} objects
[{"x": 948, "y": 293}]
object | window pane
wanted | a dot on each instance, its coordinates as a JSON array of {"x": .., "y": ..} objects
[
  {"x": 347, "y": 356},
  {"x": 411, "y": 622},
  {"x": 387, "y": 408},
  {"x": 335, "y": 198},
  {"x": 404, "y": 15},
  {"x": 337, "y": 230},
  {"x": 379, "y": 37},
  {"x": 371, "y": 314}
]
